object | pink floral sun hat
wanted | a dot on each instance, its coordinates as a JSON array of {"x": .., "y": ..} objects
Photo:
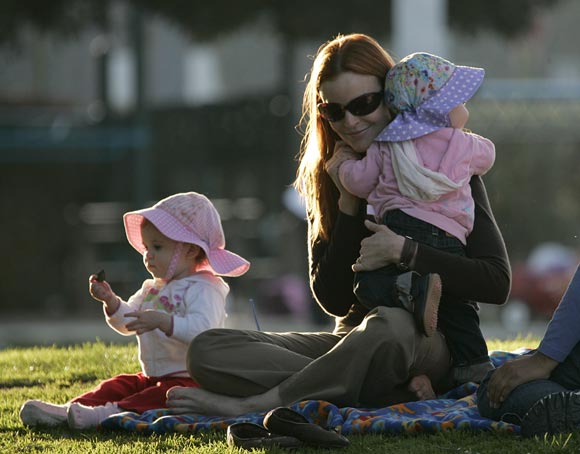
[
  {"x": 423, "y": 88},
  {"x": 188, "y": 218}
]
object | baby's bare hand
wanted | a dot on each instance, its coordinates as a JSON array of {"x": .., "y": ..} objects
[
  {"x": 148, "y": 320},
  {"x": 101, "y": 291}
]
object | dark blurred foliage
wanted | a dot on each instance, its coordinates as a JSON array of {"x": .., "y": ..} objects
[
  {"x": 508, "y": 18},
  {"x": 293, "y": 19},
  {"x": 320, "y": 19},
  {"x": 66, "y": 17}
]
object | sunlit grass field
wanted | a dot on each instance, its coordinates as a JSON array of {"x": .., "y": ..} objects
[{"x": 57, "y": 374}]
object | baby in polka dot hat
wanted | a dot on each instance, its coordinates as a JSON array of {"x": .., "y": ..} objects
[
  {"x": 425, "y": 92},
  {"x": 416, "y": 178}
]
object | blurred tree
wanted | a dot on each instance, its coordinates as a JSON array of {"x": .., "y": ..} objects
[
  {"x": 61, "y": 16},
  {"x": 320, "y": 19},
  {"x": 509, "y": 19},
  {"x": 324, "y": 18}
]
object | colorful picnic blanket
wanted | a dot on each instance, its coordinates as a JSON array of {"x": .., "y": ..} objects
[{"x": 455, "y": 410}]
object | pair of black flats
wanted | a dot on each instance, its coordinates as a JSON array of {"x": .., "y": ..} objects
[{"x": 284, "y": 428}]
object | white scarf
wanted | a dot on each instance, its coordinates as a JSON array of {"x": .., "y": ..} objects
[{"x": 415, "y": 181}]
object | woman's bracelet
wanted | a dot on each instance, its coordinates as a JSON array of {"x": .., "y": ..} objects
[{"x": 407, "y": 254}]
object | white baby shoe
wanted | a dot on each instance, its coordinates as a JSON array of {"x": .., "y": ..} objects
[{"x": 39, "y": 413}]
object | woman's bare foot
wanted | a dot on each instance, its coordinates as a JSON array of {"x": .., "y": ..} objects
[
  {"x": 183, "y": 400},
  {"x": 421, "y": 387}
]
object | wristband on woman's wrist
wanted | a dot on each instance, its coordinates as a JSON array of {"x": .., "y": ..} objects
[{"x": 407, "y": 254}]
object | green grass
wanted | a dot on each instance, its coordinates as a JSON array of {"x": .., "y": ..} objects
[{"x": 57, "y": 374}]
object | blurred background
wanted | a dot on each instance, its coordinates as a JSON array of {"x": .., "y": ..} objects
[{"x": 110, "y": 105}]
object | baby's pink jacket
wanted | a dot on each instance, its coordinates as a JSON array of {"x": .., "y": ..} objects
[{"x": 453, "y": 152}]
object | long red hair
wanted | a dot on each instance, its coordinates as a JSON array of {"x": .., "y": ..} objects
[{"x": 356, "y": 53}]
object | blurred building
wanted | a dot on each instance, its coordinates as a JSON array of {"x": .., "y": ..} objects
[{"x": 107, "y": 122}]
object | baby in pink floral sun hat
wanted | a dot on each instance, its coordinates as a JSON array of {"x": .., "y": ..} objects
[
  {"x": 416, "y": 177},
  {"x": 188, "y": 218},
  {"x": 183, "y": 247}
]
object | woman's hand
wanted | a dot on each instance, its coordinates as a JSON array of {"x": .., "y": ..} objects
[
  {"x": 513, "y": 373},
  {"x": 347, "y": 203},
  {"x": 382, "y": 248}
]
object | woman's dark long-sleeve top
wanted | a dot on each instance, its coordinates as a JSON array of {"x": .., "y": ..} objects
[{"x": 484, "y": 275}]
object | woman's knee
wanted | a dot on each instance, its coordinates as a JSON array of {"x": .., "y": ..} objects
[
  {"x": 200, "y": 352},
  {"x": 394, "y": 325},
  {"x": 397, "y": 330},
  {"x": 517, "y": 403}
]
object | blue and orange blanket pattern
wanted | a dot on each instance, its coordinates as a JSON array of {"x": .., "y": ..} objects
[{"x": 455, "y": 410}]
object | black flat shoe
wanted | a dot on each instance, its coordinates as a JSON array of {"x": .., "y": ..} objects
[
  {"x": 248, "y": 435},
  {"x": 285, "y": 421}
]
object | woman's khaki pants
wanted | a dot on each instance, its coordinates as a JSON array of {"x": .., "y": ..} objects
[{"x": 370, "y": 366}]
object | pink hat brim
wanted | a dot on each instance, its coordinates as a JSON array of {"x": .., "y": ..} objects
[{"x": 221, "y": 261}]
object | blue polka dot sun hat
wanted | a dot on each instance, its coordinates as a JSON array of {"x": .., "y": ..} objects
[{"x": 423, "y": 89}]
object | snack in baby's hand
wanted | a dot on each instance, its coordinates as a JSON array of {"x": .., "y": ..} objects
[{"x": 101, "y": 276}]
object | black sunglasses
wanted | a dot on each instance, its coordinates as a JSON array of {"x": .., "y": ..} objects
[{"x": 359, "y": 106}]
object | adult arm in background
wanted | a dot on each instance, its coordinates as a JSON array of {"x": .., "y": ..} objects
[
  {"x": 483, "y": 275},
  {"x": 562, "y": 335}
]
